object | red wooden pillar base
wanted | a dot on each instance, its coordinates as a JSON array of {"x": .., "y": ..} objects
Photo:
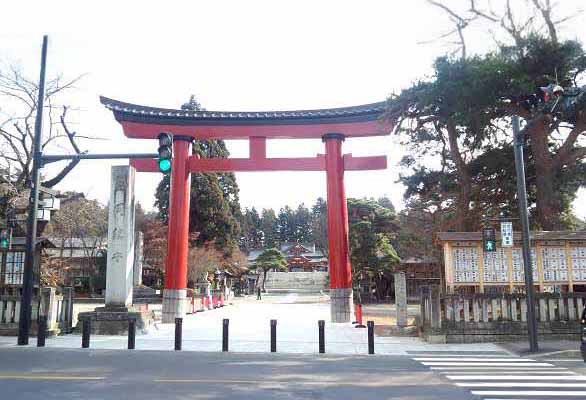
[
  {"x": 175, "y": 293},
  {"x": 340, "y": 270}
]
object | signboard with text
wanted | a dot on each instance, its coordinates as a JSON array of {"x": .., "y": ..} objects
[{"x": 506, "y": 234}]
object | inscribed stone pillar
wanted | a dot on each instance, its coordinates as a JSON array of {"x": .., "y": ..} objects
[
  {"x": 138, "y": 258},
  {"x": 401, "y": 298},
  {"x": 120, "y": 261}
]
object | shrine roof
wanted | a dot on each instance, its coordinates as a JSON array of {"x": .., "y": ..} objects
[
  {"x": 536, "y": 235},
  {"x": 128, "y": 111}
]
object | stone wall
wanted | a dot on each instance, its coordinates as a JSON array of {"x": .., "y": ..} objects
[{"x": 296, "y": 281}]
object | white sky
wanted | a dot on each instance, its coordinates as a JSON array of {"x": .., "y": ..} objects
[{"x": 233, "y": 55}]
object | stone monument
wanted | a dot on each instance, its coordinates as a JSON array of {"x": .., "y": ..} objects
[
  {"x": 401, "y": 299},
  {"x": 113, "y": 318}
]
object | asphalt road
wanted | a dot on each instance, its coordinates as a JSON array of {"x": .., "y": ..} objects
[{"x": 50, "y": 373}]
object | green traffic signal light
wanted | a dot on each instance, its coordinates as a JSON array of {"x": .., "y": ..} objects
[
  {"x": 164, "y": 165},
  {"x": 4, "y": 238},
  {"x": 165, "y": 152}
]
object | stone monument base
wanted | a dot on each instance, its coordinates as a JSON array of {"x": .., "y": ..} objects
[{"x": 114, "y": 320}]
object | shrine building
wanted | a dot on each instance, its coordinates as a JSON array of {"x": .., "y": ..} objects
[
  {"x": 301, "y": 257},
  {"x": 558, "y": 259}
]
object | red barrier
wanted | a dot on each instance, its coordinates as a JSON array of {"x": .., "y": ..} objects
[{"x": 358, "y": 311}]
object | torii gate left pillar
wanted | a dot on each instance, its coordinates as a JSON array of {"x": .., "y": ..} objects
[{"x": 175, "y": 291}]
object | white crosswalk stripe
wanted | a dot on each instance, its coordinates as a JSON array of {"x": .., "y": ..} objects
[
  {"x": 516, "y": 377},
  {"x": 506, "y": 377}
]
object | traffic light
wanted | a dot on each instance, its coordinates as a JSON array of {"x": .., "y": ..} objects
[
  {"x": 5, "y": 238},
  {"x": 489, "y": 240},
  {"x": 165, "y": 152}
]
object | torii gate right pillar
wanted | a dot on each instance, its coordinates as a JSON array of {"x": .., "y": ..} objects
[{"x": 339, "y": 259}]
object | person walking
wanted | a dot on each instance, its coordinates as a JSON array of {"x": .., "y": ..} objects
[{"x": 258, "y": 291}]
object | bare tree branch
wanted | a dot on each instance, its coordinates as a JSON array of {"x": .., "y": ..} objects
[
  {"x": 545, "y": 10},
  {"x": 460, "y": 22},
  {"x": 17, "y": 130}
]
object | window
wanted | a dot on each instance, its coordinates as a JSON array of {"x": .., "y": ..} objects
[{"x": 14, "y": 268}]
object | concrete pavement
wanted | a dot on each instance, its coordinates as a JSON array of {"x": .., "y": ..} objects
[
  {"x": 402, "y": 368},
  {"x": 28, "y": 373},
  {"x": 297, "y": 331}
]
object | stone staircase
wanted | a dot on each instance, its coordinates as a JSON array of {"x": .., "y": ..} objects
[{"x": 296, "y": 282}]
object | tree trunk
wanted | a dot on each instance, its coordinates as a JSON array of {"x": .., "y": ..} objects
[
  {"x": 547, "y": 198},
  {"x": 464, "y": 180},
  {"x": 264, "y": 279}
]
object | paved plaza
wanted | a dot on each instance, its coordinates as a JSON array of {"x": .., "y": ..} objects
[{"x": 297, "y": 318}]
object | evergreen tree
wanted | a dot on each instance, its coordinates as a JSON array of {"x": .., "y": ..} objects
[
  {"x": 214, "y": 204},
  {"x": 286, "y": 220},
  {"x": 270, "y": 259},
  {"x": 270, "y": 228},
  {"x": 459, "y": 120},
  {"x": 302, "y": 231},
  {"x": 319, "y": 225},
  {"x": 372, "y": 228},
  {"x": 251, "y": 227}
]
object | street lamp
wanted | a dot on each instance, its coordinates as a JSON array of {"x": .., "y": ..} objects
[{"x": 522, "y": 198}]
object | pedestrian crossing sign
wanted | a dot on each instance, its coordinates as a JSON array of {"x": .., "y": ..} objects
[{"x": 489, "y": 240}]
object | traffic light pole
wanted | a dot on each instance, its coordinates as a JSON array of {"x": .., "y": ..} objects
[
  {"x": 24, "y": 322},
  {"x": 522, "y": 197}
]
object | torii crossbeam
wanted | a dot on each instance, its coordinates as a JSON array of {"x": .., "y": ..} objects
[{"x": 330, "y": 125}]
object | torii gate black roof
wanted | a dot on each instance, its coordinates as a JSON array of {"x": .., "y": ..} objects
[{"x": 155, "y": 115}]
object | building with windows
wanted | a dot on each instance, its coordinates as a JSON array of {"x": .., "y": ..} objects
[
  {"x": 301, "y": 257},
  {"x": 12, "y": 265},
  {"x": 558, "y": 259},
  {"x": 77, "y": 260}
]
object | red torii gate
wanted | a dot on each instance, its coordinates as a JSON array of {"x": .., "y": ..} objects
[{"x": 330, "y": 125}]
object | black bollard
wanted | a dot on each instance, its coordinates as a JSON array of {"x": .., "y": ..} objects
[
  {"x": 86, "y": 328},
  {"x": 131, "y": 333},
  {"x": 225, "y": 324},
  {"x": 322, "y": 336},
  {"x": 583, "y": 336},
  {"x": 42, "y": 331},
  {"x": 273, "y": 335},
  {"x": 370, "y": 326},
  {"x": 178, "y": 333}
]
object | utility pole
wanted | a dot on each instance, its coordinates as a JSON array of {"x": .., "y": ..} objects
[
  {"x": 24, "y": 323},
  {"x": 39, "y": 160},
  {"x": 522, "y": 197}
]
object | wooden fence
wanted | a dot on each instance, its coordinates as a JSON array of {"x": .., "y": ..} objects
[{"x": 483, "y": 317}]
